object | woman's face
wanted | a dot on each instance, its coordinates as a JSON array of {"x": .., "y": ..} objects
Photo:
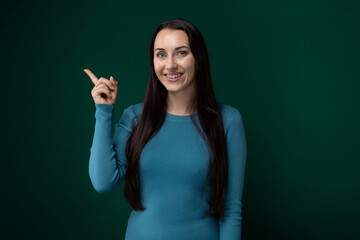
[{"x": 173, "y": 61}]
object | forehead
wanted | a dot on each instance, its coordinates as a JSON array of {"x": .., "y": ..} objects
[{"x": 169, "y": 38}]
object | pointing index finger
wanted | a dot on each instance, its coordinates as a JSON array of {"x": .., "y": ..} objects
[{"x": 92, "y": 76}]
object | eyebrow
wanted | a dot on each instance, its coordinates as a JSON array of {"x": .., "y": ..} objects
[{"x": 175, "y": 48}]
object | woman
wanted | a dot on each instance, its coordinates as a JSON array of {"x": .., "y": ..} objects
[{"x": 182, "y": 154}]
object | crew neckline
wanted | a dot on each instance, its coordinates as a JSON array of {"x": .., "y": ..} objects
[{"x": 180, "y": 118}]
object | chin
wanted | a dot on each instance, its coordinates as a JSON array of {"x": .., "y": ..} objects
[{"x": 172, "y": 90}]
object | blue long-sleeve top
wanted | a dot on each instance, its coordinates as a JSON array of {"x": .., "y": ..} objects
[{"x": 173, "y": 169}]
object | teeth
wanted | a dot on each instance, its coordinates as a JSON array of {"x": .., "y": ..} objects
[{"x": 173, "y": 76}]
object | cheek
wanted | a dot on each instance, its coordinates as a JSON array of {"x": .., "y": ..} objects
[
  {"x": 158, "y": 74},
  {"x": 157, "y": 64},
  {"x": 156, "y": 67},
  {"x": 191, "y": 68},
  {"x": 190, "y": 65}
]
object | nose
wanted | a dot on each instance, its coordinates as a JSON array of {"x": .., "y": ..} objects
[{"x": 171, "y": 63}]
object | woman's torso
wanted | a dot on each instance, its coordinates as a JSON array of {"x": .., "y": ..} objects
[{"x": 173, "y": 169}]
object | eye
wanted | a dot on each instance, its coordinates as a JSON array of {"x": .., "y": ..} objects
[
  {"x": 160, "y": 55},
  {"x": 184, "y": 53}
]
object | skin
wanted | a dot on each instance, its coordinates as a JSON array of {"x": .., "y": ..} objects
[
  {"x": 105, "y": 90},
  {"x": 169, "y": 60}
]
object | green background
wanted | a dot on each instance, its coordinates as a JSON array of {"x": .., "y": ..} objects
[{"x": 292, "y": 68}]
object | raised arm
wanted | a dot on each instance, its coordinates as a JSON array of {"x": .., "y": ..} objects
[
  {"x": 107, "y": 164},
  {"x": 231, "y": 223}
]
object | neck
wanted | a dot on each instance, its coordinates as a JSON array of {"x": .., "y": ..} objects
[{"x": 179, "y": 103}]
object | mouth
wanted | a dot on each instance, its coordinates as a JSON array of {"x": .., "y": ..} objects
[{"x": 173, "y": 77}]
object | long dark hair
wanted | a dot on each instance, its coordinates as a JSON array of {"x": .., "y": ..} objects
[{"x": 154, "y": 113}]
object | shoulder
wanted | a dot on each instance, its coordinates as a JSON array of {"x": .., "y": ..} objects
[
  {"x": 230, "y": 115},
  {"x": 228, "y": 112},
  {"x": 134, "y": 109},
  {"x": 130, "y": 116}
]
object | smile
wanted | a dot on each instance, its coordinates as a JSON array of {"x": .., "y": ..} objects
[{"x": 173, "y": 78}]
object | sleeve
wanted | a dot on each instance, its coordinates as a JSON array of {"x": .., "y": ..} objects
[
  {"x": 107, "y": 163},
  {"x": 231, "y": 223}
]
